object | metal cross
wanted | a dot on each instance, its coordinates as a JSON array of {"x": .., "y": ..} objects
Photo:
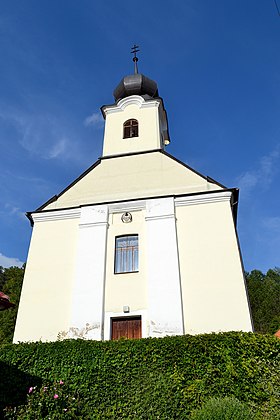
[{"x": 134, "y": 50}]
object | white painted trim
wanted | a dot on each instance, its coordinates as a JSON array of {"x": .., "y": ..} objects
[
  {"x": 131, "y": 100},
  {"x": 132, "y": 205},
  {"x": 165, "y": 315},
  {"x": 127, "y": 206},
  {"x": 203, "y": 198},
  {"x": 109, "y": 315},
  {"x": 159, "y": 217},
  {"x": 179, "y": 201},
  {"x": 88, "y": 225},
  {"x": 51, "y": 216},
  {"x": 88, "y": 288}
]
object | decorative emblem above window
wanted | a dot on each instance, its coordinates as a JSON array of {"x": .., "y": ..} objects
[
  {"x": 130, "y": 129},
  {"x": 126, "y": 217}
]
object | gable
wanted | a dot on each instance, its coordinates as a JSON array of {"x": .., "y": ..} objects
[{"x": 128, "y": 177}]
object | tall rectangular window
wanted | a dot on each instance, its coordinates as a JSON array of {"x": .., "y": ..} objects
[{"x": 126, "y": 254}]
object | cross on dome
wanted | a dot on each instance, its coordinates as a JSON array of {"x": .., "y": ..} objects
[
  {"x": 135, "y": 50},
  {"x": 136, "y": 84}
]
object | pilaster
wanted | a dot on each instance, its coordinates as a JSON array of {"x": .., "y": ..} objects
[
  {"x": 88, "y": 290},
  {"x": 163, "y": 274}
]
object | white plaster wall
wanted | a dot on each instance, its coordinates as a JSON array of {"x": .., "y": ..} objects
[
  {"x": 67, "y": 291},
  {"x": 110, "y": 315},
  {"x": 214, "y": 295},
  {"x": 147, "y": 114},
  {"x": 130, "y": 177},
  {"x": 163, "y": 276},
  {"x": 126, "y": 289},
  {"x": 88, "y": 289},
  {"x": 44, "y": 309}
]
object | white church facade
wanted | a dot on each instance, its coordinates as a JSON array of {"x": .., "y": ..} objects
[{"x": 140, "y": 245}]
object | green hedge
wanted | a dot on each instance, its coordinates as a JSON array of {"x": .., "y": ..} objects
[
  {"x": 164, "y": 378},
  {"x": 228, "y": 408}
]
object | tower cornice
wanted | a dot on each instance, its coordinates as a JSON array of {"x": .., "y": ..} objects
[{"x": 130, "y": 100}]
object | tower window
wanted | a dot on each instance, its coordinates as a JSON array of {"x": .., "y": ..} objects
[
  {"x": 126, "y": 254},
  {"x": 130, "y": 129}
]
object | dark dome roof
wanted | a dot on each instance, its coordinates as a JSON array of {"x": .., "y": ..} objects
[{"x": 135, "y": 84}]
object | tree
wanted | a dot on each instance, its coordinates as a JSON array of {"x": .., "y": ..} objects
[
  {"x": 2, "y": 277},
  {"x": 11, "y": 282},
  {"x": 264, "y": 295}
]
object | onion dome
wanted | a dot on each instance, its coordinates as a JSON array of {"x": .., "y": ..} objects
[{"x": 136, "y": 84}]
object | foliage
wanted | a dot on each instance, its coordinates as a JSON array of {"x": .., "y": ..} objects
[
  {"x": 264, "y": 295},
  {"x": 166, "y": 378},
  {"x": 2, "y": 277},
  {"x": 52, "y": 400},
  {"x": 228, "y": 408},
  {"x": 11, "y": 281}
]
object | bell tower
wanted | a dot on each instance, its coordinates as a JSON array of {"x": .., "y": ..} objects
[{"x": 137, "y": 121}]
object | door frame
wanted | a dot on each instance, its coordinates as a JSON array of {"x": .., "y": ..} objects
[
  {"x": 125, "y": 318},
  {"x": 108, "y": 324}
]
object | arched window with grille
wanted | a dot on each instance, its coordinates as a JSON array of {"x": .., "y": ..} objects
[{"x": 130, "y": 129}]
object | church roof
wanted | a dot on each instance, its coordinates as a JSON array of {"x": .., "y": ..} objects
[
  {"x": 136, "y": 84},
  {"x": 5, "y": 302}
]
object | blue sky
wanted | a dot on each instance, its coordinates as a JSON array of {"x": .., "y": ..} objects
[{"x": 217, "y": 65}]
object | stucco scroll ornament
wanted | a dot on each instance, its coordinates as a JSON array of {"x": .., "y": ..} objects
[{"x": 126, "y": 217}]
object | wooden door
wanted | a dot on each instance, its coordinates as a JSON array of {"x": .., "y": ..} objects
[{"x": 129, "y": 327}]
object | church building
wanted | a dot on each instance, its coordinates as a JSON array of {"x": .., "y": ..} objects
[{"x": 139, "y": 245}]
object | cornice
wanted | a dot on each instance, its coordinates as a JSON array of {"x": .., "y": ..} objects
[
  {"x": 127, "y": 206},
  {"x": 92, "y": 224},
  {"x": 51, "y": 216},
  {"x": 130, "y": 100},
  {"x": 160, "y": 217},
  {"x": 133, "y": 205},
  {"x": 203, "y": 198}
]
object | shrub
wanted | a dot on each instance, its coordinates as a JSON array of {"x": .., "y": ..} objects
[
  {"x": 52, "y": 400},
  {"x": 228, "y": 408},
  {"x": 165, "y": 378}
]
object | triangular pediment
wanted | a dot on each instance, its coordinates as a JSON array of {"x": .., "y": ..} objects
[{"x": 128, "y": 177}]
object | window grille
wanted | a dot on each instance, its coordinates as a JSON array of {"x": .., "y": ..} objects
[
  {"x": 126, "y": 254},
  {"x": 130, "y": 129}
]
